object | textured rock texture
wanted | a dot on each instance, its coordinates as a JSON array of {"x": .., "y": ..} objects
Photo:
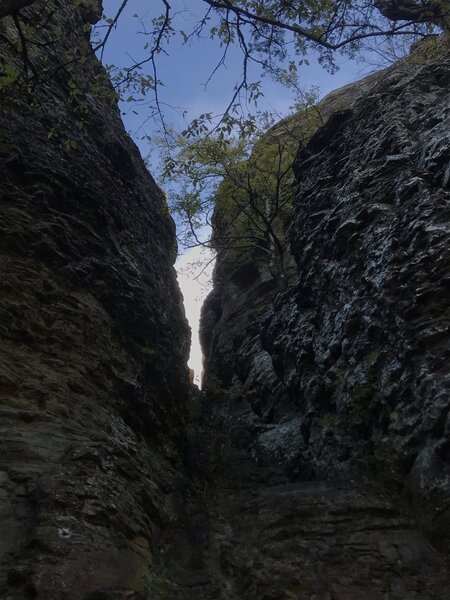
[
  {"x": 336, "y": 392},
  {"x": 93, "y": 337},
  {"x": 315, "y": 466},
  {"x": 243, "y": 282},
  {"x": 374, "y": 297}
]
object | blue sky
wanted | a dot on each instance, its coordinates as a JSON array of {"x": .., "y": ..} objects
[
  {"x": 184, "y": 72},
  {"x": 187, "y": 67}
]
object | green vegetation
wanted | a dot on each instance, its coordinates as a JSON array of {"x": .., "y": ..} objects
[
  {"x": 360, "y": 387},
  {"x": 233, "y": 168},
  {"x": 157, "y": 587},
  {"x": 239, "y": 178},
  {"x": 362, "y": 402},
  {"x": 276, "y": 36},
  {"x": 355, "y": 391},
  {"x": 429, "y": 49}
]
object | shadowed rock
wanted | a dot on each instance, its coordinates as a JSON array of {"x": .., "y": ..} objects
[
  {"x": 93, "y": 337},
  {"x": 336, "y": 391}
]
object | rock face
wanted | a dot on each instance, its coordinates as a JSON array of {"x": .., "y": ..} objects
[
  {"x": 315, "y": 467},
  {"x": 94, "y": 342},
  {"x": 374, "y": 297},
  {"x": 336, "y": 392},
  {"x": 245, "y": 284}
]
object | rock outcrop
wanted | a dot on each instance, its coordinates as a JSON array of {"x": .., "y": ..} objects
[
  {"x": 315, "y": 467},
  {"x": 93, "y": 376},
  {"x": 336, "y": 392},
  {"x": 243, "y": 280}
]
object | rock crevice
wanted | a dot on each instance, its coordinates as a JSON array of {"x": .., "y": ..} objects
[{"x": 315, "y": 464}]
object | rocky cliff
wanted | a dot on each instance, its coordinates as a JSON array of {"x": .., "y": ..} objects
[
  {"x": 94, "y": 342},
  {"x": 315, "y": 466},
  {"x": 243, "y": 279},
  {"x": 335, "y": 392}
]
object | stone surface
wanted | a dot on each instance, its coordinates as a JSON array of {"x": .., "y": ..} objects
[
  {"x": 94, "y": 342},
  {"x": 244, "y": 284},
  {"x": 337, "y": 389},
  {"x": 377, "y": 305},
  {"x": 315, "y": 466}
]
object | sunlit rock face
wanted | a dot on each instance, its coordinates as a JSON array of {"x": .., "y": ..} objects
[
  {"x": 337, "y": 390},
  {"x": 93, "y": 337}
]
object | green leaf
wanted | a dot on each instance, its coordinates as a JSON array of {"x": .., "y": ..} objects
[{"x": 8, "y": 75}]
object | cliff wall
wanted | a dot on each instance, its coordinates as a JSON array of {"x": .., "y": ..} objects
[
  {"x": 243, "y": 280},
  {"x": 94, "y": 342},
  {"x": 372, "y": 299},
  {"x": 335, "y": 393},
  {"x": 315, "y": 465}
]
